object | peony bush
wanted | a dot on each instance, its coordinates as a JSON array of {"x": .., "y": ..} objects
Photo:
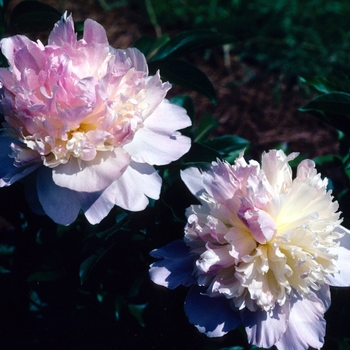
[{"x": 115, "y": 190}]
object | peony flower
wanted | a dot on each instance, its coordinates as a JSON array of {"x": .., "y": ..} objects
[
  {"x": 87, "y": 122},
  {"x": 260, "y": 250}
]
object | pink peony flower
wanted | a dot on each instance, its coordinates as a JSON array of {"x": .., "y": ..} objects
[
  {"x": 262, "y": 249},
  {"x": 87, "y": 121}
]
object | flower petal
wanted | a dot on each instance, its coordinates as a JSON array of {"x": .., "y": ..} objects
[
  {"x": 129, "y": 191},
  {"x": 8, "y": 172},
  {"x": 63, "y": 32},
  {"x": 157, "y": 143},
  {"x": 212, "y": 316},
  {"x": 176, "y": 267},
  {"x": 306, "y": 326},
  {"x": 59, "y": 203},
  {"x": 342, "y": 279},
  {"x": 265, "y": 328},
  {"x": 95, "y": 206},
  {"x": 192, "y": 178},
  {"x": 94, "y": 175}
]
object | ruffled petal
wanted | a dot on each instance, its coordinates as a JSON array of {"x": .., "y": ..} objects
[
  {"x": 137, "y": 58},
  {"x": 95, "y": 44},
  {"x": 342, "y": 279},
  {"x": 59, "y": 203},
  {"x": 131, "y": 190},
  {"x": 176, "y": 267},
  {"x": 94, "y": 175},
  {"x": 265, "y": 328},
  {"x": 9, "y": 173},
  {"x": 306, "y": 326},
  {"x": 63, "y": 32},
  {"x": 211, "y": 315},
  {"x": 157, "y": 143}
]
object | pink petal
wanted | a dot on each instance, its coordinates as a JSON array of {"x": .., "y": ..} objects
[
  {"x": 63, "y": 32},
  {"x": 92, "y": 176},
  {"x": 156, "y": 91},
  {"x": 95, "y": 44},
  {"x": 137, "y": 58},
  {"x": 260, "y": 223},
  {"x": 9, "y": 173},
  {"x": 306, "y": 325}
]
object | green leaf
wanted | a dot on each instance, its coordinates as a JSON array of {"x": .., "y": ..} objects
[
  {"x": 149, "y": 45},
  {"x": 322, "y": 85},
  {"x": 200, "y": 154},
  {"x": 205, "y": 126},
  {"x": 88, "y": 264},
  {"x": 333, "y": 108},
  {"x": 110, "y": 5},
  {"x": 187, "y": 75},
  {"x": 43, "y": 276},
  {"x": 33, "y": 16},
  {"x": 192, "y": 40},
  {"x": 229, "y": 146},
  {"x": 328, "y": 160},
  {"x": 136, "y": 311},
  {"x": 319, "y": 84}
]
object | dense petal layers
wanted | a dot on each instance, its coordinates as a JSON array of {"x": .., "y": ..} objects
[
  {"x": 91, "y": 116},
  {"x": 264, "y": 247}
]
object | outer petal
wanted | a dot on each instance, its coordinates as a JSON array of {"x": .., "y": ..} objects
[
  {"x": 176, "y": 267},
  {"x": 8, "y": 172},
  {"x": 95, "y": 206},
  {"x": 276, "y": 168},
  {"x": 265, "y": 328},
  {"x": 95, "y": 43},
  {"x": 137, "y": 58},
  {"x": 342, "y": 279},
  {"x": 156, "y": 91},
  {"x": 130, "y": 190},
  {"x": 212, "y": 316},
  {"x": 59, "y": 203},
  {"x": 94, "y": 175},
  {"x": 63, "y": 32},
  {"x": 192, "y": 178},
  {"x": 306, "y": 326},
  {"x": 157, "y": 143}
]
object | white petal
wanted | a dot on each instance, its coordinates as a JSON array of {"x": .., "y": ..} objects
[
  {"x": 192, "y": 178},
  {"x": 94, "y": 175},
  {"x": 265, "y": 328},
  {"x": 342, "y": 279},
  {"x": 158, "y": 142},
  {"x": 306, "y": 326},
  {"x": 131, "y": 189},
  {"x": 59, "y": 203}
]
